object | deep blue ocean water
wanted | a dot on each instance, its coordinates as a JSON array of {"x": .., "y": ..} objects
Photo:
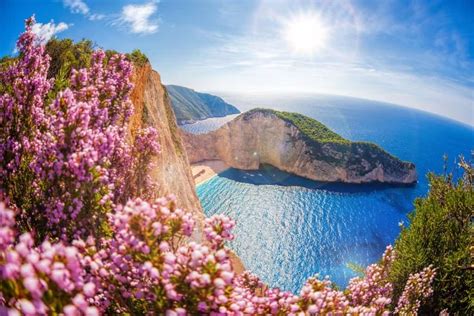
[{"x": 290, "y": 228}]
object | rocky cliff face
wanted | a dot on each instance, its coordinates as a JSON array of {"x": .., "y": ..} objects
[
  {"x": 263, "y": 137},
  {"x": 152, "y": 108}
]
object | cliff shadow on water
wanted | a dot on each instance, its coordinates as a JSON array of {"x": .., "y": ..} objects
[{"x": 269, "y": 175}]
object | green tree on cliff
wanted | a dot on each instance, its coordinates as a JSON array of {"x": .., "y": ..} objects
[{"x": 441, "y": 232}]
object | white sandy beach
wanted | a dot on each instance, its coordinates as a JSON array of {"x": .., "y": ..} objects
[{"x": 205, "y": 170}]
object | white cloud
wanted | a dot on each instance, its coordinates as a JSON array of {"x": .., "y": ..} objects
[
  {"x": 79, "y": 6},
  {"x": 138, "y": 17},
  {"x": 45, "y": 31},
  {"x": 96, "y": 17}
]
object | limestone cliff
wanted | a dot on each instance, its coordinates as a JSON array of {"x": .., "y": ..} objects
[
  {"x": 152, "y": 108},
  {"x": 297, "y": 144}
]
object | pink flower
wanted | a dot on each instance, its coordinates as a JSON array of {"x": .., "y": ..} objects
[
  {"x": 27, "y": 307},
  {"x": 71, "y": 310},
  {"x": 33, "y": 285},
  {"x": 89, "y": 289}
]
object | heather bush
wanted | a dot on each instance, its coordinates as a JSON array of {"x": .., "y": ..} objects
[
  {"x": 418, "y": 283},
  {"x": 83, "y": 233},
  {"x": 67, "y": 55},
  {"x": 65, "y": 162},
  {"x": 40, "y": 280},
  {"x": 149, "y": 265}
]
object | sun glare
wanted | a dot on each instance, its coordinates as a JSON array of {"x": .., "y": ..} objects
[{"x": 305, "y": 33}]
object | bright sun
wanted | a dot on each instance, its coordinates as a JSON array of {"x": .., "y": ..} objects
[{"x": 305, "y": 33}]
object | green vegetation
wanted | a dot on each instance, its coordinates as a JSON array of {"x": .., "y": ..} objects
[
  {"x": 191, "y": 105},
  {"x": 311, "y": 128},
  {"x": 5, "y": 62},
  {"x": 67, "y": 55},
  {"x": 138, "y": 58},
  {"x": 441, "y": 233}
]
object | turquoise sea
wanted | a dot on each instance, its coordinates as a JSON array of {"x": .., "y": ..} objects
[{"x": 290, "y": 228}]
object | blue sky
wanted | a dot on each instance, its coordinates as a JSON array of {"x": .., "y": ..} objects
[{"x": 413, "y": 53}]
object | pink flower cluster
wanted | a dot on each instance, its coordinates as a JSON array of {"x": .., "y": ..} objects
[
  {"x": 127, "y": 265},
  {"x": 7, "y": 222},
  {"x": 217, "y": 230},
  {"x": 151, "y": 253},
  {"x": 319, "y": 297},
  {"x": 373, "y": 290},
  {"x": 145, "y": 148},
  {"x": 149, "y": 265},
  {"x": 65, "y": 162},
  {"x": 43, "y": 279},
  {"x": 418, "y": 287},
  {"x": 24, "y": 86}
]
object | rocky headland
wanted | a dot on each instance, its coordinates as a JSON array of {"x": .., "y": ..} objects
[
  {"x": 299, "y": 145},
  {"x": 190, "y": 106}
]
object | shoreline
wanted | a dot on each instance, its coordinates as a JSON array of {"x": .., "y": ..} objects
[{"x": 205, "y": 170}]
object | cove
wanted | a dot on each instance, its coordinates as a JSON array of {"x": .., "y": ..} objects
[{"x": 290, "y": 228}]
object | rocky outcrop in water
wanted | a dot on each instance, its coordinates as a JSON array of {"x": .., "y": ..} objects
[{"x": 299, "y": 145}]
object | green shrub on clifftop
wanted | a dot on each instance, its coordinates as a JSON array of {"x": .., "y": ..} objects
[
  {"x": 137, "y": 58},
  {"x": 441, "y": 232},
  {"x": 311, "y": 128},
  {"x": 67, "y": 55}
]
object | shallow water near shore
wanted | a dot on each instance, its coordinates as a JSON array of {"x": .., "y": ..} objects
[{"x": 290, "y": 228}]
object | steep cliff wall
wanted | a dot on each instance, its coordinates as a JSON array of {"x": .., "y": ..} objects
[
  {"x": 265, "y": 136},
  {"x": 152, "y": 108}
]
